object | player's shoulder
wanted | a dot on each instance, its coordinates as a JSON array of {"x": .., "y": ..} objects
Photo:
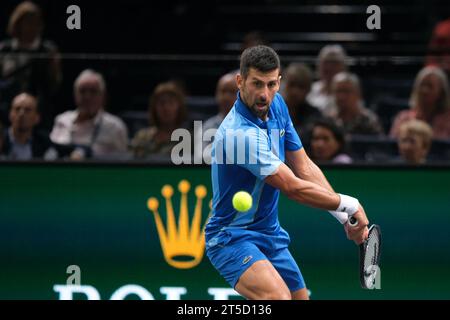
[
  {"x": 279, "y": 106},
  {"x": 234, "y": 120}
]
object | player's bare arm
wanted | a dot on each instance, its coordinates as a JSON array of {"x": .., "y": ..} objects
[
  {"x": 304, "y": 168},
  {"x": 302, "y": 191}
]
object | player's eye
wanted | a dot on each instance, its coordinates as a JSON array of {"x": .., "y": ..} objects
[{"x": 258, "y": 84}]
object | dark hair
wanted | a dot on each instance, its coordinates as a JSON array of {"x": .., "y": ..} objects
[
  {"x": 336, "y": 130},
  {"x": 261, "y": 58}
]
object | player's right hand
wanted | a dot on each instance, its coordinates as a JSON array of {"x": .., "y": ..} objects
[{"x": 360, "y": 232}]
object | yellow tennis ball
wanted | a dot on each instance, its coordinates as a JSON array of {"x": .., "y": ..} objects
[{"x": 242, "y": 201}]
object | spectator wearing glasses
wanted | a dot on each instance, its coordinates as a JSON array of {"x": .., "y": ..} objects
[{"x": 91, "y": 130}]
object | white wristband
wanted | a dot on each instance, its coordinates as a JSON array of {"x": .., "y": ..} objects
[
  {"x": 342, "y": 217},
  {"x": 348, "y": 204}
]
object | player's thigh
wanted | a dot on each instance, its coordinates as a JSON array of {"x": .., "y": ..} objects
[
  {"x": 261, "y": 281},
  {"x": 284, "y": 263}
]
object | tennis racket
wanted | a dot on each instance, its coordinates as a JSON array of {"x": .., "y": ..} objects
[{"x": 369, "y": 256}]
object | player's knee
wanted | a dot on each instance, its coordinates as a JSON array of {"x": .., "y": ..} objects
[{"x": 279, "y": 294}]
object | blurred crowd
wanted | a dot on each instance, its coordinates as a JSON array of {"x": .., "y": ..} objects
[{"x": 326, "y": 103}]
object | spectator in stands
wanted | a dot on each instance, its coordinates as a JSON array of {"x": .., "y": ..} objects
[
  {"x": 21, "y": 140},
  {"x": 297, "y": 84},
  {"x": 167, "y": 111},
  {"x": 332, "y": 60},
  {"x": 350, "y": 112},
  {"x": 226, "y": 92},
  {"x": 22, "y": 67},
  {"x": 430, "y": 102},
  {"x": 439, "y": 47},
  {"x": 328, "y": 142},
  {"x": 414, "y": 141},
  {"x": 94, "y": 131}
]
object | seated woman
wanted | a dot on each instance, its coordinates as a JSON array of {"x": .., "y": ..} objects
[
  {"x": 430, "y": 102},
  {"x": 167, "y": 112},
  {"x": 328, "y": 143}
]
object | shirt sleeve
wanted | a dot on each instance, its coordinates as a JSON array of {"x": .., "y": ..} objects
[{"x": 252, "y": 151}]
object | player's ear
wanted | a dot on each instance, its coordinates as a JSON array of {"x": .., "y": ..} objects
[{"x": 239, "y": 80}]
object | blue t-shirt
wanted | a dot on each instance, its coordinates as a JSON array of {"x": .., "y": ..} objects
[{"x": 245, "y": 151}]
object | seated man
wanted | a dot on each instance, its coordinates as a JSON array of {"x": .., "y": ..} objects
[
  {"x": 21, "y": 141},
  {"x": 297, "y": 85},
  {"x": 226, "y": 92},
  {"x": 98, "y": 133},
  {"x": 350, "y": 112}
]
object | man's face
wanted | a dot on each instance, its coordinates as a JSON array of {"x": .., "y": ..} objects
[
  {"x": 295, "y": 91},
  {"x": 89, "y": 96},
  {"x": 23, "y": 114},
  {"x": 258, "y": 90},
  {"x": 346, "y": 95},
  {"x": 226, "y": 93}
]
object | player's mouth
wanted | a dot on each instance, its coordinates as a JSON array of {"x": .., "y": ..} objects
[{"x": 261, "y": 106}]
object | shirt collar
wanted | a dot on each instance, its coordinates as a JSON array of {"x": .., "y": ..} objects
[
  {"x": 95, "y": 120},
  {"x": 244, "y": 110}
]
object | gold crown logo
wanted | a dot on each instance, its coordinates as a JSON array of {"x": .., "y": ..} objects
[{"x": 184, "y": 241}]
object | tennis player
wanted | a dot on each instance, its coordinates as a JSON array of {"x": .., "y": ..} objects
[{"x": 251, "y": 146}]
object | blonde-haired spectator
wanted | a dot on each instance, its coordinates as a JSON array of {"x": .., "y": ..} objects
[
  {"x": 414, "y": 141},
  {"x": 430, "y": 102}
]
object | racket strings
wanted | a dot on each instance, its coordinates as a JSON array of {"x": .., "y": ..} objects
[{"x": 372, "y": 250}]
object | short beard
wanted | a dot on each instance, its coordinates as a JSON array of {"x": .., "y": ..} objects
[{"x": 260, "y": 113}]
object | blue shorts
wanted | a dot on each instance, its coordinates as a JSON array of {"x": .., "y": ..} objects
[{"x": 233, "y": 251}]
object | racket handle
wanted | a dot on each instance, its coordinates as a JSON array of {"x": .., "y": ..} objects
[{"x": 352, "y": 221}]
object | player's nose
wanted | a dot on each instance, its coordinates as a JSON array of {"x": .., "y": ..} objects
[{"x": 263, "y": 96}]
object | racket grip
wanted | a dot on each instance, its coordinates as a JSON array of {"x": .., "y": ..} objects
[{"x": 352, "y": 221}]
